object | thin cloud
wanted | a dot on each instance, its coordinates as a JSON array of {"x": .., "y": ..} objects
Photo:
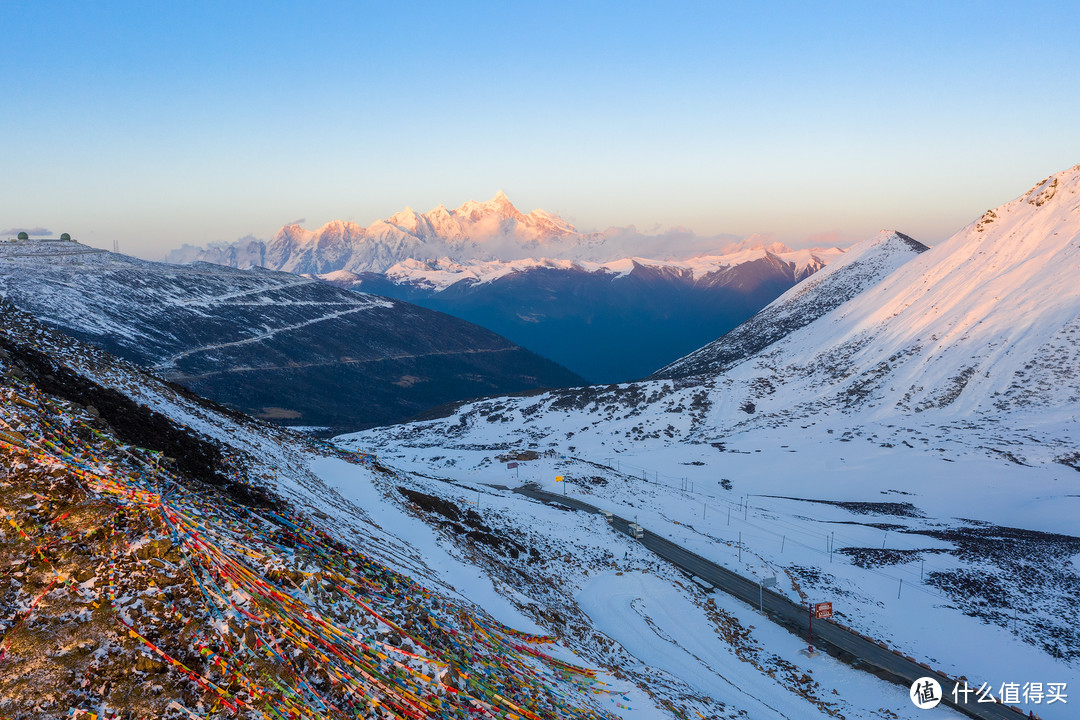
[
  {"x": 829, "y": 238},
  {"x": 300, "y": 221},
  {"x": 33, "y": 232}
]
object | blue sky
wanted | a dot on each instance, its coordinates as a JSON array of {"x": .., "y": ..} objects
[{"x": 157, "y": 124}]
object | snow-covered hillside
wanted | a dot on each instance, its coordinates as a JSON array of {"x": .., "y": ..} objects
[
  {"x": 270, "y": 343},
  {"x": 917, "y": 441},
  {"x": 861, "y": 267}
]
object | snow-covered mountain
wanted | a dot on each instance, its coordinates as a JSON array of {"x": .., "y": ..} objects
[
  {"x": 480, "y": 241},
  {"x": 984, "y": 325},
  {"x": 915, "y": 408},
  {"x": 612, "y": 305},
  {"x": 272, "y": 344},
  {"x": 981, "y": 330}
]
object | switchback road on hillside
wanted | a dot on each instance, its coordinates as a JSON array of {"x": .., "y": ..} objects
[{"x": 859, "y": 651}]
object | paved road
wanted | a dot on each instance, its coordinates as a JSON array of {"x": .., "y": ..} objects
[{"x": 849, "y": 646}]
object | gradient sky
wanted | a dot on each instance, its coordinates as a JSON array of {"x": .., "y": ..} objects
[{"x": 157, "y": 124}]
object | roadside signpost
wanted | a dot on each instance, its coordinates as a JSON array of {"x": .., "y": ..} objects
[
  {"x": 514, "y": 466},
  {"x": 821, "y": 611}
]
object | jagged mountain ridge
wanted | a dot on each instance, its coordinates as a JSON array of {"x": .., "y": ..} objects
[
  {"x": 270, "y": 343},
  {"x": 480, "y": 241},
  {"x": 648, "y": 606}
]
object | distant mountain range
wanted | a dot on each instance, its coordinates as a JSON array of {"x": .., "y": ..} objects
[
  {"x": 277, "y": 346},
  {"x": 613, "y": 305}
]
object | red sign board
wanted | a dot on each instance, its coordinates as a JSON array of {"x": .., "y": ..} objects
[
  {"x": 823, "y": 610},
  {"x": 511, "y": 466}
]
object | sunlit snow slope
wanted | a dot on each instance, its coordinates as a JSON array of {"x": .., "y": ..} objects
[{"x": 861, "y": 267}]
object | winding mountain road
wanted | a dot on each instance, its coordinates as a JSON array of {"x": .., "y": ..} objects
[{"x": 859, "y": 651}]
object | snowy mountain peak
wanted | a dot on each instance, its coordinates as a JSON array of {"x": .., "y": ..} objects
[
  {"x": 498, "y": 206},
  {"x": 891, "y": 237},
  {"x": 502, "y": 202},
  {"x": 407, "y": 219},
  {"x": 883, "y": 242}
]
